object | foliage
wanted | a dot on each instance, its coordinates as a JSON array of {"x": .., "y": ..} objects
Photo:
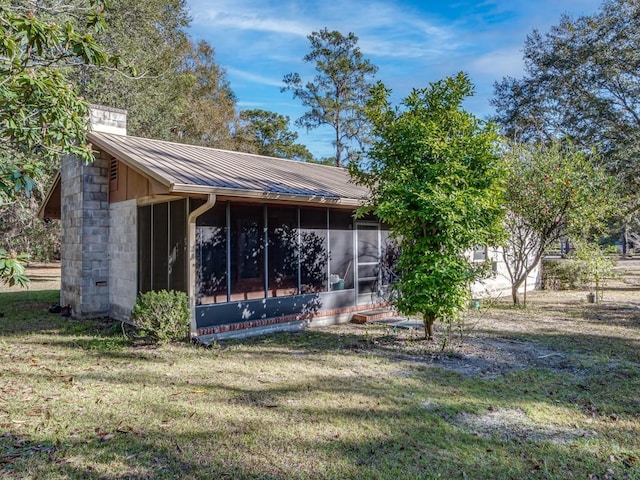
[
  {"x": 595, "y": 265},
  {"x": 12, "y": 268},
  {"x": 206, "y": 104},
  {"x": 552, "y": 191},
  {"x": 151, "y": 35},
  {"x": 20, "y": 228},
  {"x": 337, "y": 95},
  {"x": 562, "y": 274},
  {"x": 17, "y": 175},
  {"x": 267, "y": 133},
  {"x": 436, "y": 179},
  {"x": 21, "y": 184},
  {"x": 162, "y": 316},
  {"x": 41, "y": 114},
  {"x": 181, "y": 94},
  {"x": 582, "y": 82}
]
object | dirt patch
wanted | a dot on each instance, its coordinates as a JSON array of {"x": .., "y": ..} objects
[
  {"x": 477, "y": 356},
  {"x": 491, "y": 357},
  {"x": 514, "y": 425},
  {"x": 557, "y": 331}
]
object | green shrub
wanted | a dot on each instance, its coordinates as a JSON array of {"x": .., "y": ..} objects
[
  {"x": 563, "y": 274},
  {"x": 596, "y": 266},
  {"x": 162, "y": 316}
]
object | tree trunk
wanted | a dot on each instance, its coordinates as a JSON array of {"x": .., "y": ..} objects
[
  {"x": 338, "y": 146},
  {"x": 429, "y": 320},
  {"x": 515, "y": 296},
  {"x": 515, "y": 285}
]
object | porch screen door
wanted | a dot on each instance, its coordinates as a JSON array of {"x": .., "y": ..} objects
[{"x": 368, "y": 261}]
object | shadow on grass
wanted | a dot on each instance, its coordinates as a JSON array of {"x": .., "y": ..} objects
[
  {"x": 614, "y": 314},
  {"x": 27, "y": 312},
  {"x": 397, "y": 425},
  {"x": 398, "y": 436},
  {"x": 402, "y": 431}
]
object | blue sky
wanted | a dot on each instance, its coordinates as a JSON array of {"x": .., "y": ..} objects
[{"x": 412, "y": 42}]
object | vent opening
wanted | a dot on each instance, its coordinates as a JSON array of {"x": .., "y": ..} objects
[{"x": 113, "y": 175}]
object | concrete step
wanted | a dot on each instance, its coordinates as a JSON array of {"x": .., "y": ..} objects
[{"x": 372, "y": 315}]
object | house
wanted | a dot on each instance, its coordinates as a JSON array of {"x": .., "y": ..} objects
[{"x": 257, "y": 243}]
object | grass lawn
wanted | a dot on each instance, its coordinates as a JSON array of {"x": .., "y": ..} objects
[{"x": 552, "y": 391}]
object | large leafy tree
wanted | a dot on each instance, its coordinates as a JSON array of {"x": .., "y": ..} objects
[
  {"x": 180, "y": 92},
  {"x": 581, "y": 82},
  {"x": 41, "y": 114},
  {"x": 337, "y": 95},
  {"x": 553, "y": 191},
  {"x": 150, "y": 34},
  {"x": 435, "y": 177},
  {"x": 207, "y": 106},
  {"x": 267, "y": 133}
]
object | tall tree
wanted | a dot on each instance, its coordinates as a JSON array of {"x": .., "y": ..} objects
[
  {"x": 41, "y": 114},
  {"x": 337, "y": 95},
  {"x": 267, "y": 133},
  {"x": 180, "y": 92},
  {"x": 151, "y": 98},
  {"x": 552, "y": 191},
  {"x": 436, "y": 179},
  {"x": 206, "y": 105},
  {"x": 582, "y": 82},
  {"x": 151, "y": 35}
]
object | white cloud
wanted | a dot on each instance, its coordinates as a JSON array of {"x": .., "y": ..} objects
[
  {"x": 385, "y": 29},
  {"x": 249, "y": 105},
  {"x": 250, "y": 21},
  {"x": 498, "y": 63},
  {"x": 254, "y": 78},
  {"x": 412, "y": 42}
]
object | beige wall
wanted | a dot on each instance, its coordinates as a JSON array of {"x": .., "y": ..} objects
[{"x": 499, "y": 285}]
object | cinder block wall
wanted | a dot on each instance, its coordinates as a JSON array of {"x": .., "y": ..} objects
[
  {"x": 123, "y": 258},
  {"x": 85, "y": 234},
  {"x": 85, "y": 216},
  {"x": 71, "y": 242}
]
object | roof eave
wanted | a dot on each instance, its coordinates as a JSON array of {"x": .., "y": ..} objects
[
  {"x": 230, "y": 192},
  {"x": 260, "y": 195}
]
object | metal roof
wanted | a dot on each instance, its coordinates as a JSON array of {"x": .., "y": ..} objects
[{"x": 194, "y": 169}]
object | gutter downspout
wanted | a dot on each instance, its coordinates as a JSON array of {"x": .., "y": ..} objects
[{"x": 191, "y": 248}]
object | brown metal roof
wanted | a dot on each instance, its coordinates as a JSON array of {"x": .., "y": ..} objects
[{"x": 193, "y": 169}]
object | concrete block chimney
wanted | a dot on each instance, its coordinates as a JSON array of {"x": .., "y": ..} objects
[
  {"x": 108, "y": 119},
  {"x": 85, "y": 223}
]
